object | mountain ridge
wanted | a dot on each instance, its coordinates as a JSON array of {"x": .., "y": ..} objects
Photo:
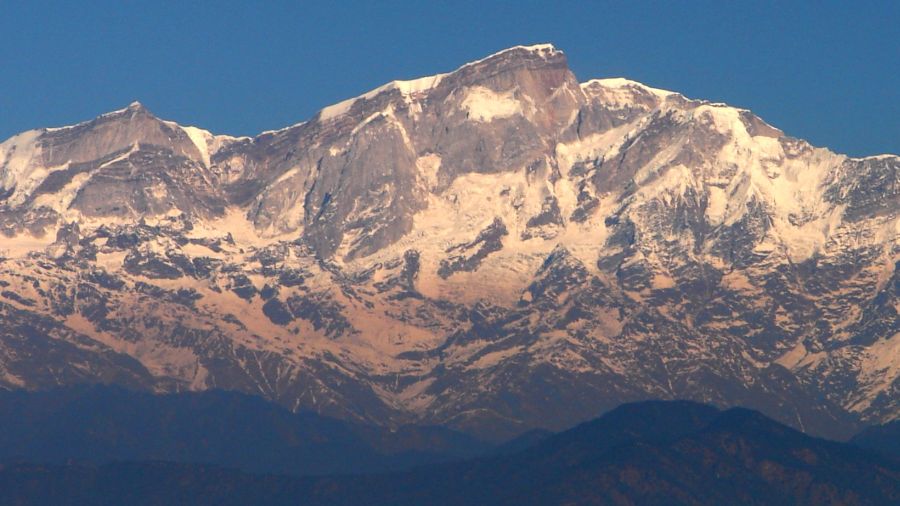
[
  {"x": 102, "y": 424},
  {"x": 659, "y": 452}
]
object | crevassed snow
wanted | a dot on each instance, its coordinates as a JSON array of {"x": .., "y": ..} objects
[{"x": 485, "y": 105}]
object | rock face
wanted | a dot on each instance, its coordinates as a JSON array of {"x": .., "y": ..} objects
[{"x": 494, "y": 249}]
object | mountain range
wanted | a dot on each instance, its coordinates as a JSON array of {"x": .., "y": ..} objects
[
  {"x": 648, "y": 453},
  {"x": 106, "y": 424},
  {"x": 493, "y": 250}
]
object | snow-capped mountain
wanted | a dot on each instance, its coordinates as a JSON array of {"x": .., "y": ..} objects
[{"x": 493, "y": 249}]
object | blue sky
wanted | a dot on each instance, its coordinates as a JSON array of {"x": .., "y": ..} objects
[{"x": 825, "y": 71}]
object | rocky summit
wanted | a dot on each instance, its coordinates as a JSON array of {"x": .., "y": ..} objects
[{"x": 494, "y": 249}]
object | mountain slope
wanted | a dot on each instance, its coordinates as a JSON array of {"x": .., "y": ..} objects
[
  {"x": 646, "y": 453},
  {"x": 101, "y": 425},
  {"x": 494, "y": 249},
  {"x": 652, "y": 453},
  {"x": 884, "y": 439}
]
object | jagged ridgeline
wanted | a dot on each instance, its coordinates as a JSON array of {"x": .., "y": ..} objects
[{"x": 493, "y": 249}]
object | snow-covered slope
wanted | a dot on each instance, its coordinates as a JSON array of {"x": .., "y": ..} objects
[{"x": 495, "y": 248}]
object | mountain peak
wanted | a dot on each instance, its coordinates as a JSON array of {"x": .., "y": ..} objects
[
  {"x": 134, "y": 107},
  {"x": 534, "y": 56},
  {"x": 132, "y": 110},
  {"x": 537, "y": 55},
  {"x": 544, "y": 50}
]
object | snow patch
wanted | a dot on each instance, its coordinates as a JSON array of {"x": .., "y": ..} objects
[
  {"x": 202, "y": 139},
  {"x": 622, "y": 83},
  {"x": 20, "y": 156},
  {"x": 406, "y": 88},
  {"x": 428, "y": 167},
  {"x": 23, "y": 244},
  {"x": 486, "y": 105}
]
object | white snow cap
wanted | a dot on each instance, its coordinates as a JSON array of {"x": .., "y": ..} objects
[
  {"x": 621, "y": 82},
  {"x": 407, "y": 88},
  {"x": 541, "y": 49}
]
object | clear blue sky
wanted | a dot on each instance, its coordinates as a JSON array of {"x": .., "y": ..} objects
[{"x": 825, "y": 71}]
